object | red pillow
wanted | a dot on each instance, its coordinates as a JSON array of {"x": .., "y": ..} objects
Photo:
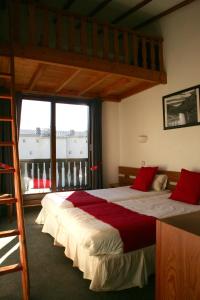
[
  {"x": 144, "y": 178},
  {"x": 188, "y": 188}
]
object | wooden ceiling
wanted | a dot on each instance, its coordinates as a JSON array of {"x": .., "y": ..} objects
[{"x": 41, "y": 78}]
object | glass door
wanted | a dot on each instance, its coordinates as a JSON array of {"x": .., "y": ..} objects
[
  {"x": 34, "y": 146},
  {"x": 71, "y": 146}
]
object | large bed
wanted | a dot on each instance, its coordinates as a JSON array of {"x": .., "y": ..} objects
[{"x": 96, "y": 247}]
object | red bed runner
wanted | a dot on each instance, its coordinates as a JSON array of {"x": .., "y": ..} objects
[
  {"x": 82, "y": 198},
  {"x": 136, "y": 230}
]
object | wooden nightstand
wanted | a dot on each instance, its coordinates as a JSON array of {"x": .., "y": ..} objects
[{"x": 178, "y": 257}]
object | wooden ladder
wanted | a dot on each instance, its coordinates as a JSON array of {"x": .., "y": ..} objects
[{"x": 16, "y": 198}]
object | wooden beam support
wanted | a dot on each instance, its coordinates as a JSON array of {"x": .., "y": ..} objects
[
  {"x": 68, "y": 80},
  {"x": 98, "y": 8},
  {"x": 130, "y": 11},
  {"x": 36, "y": 76},
  {"x": 58, "y": 57},
  {"x": 164, "y": 13}
]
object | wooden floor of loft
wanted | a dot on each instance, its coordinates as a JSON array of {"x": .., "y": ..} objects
[
  {"x": 106, "y": 62},
  {"x": 50, "y": 71}
]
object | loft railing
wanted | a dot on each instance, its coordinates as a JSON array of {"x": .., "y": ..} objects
[
  {"x": 71, "y": 174},
  {"x": 37, "y": 25}
]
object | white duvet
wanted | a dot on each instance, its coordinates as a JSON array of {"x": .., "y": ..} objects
[
  {"x": 52, "y": 202},
  {"x": 100, "y": 238}
]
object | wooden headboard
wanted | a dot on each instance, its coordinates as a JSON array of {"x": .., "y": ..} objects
[{"x": 127, "y": 175}]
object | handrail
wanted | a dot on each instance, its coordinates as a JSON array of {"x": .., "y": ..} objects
[
  {"x": 55, "y": 28},
  {"x": 70, "y": 174}
]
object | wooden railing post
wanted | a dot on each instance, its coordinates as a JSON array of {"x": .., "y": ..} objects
[
  {"x": 95, "y": 39},
  {"x": 153, "y": 64},
  {"x": 116, "y": 45},
  {"x": 161, "y": 64},
  {"x": 46, "y": 28},
  {"x": 32, "y": 24},
  {"x": 71, "y": 33},
  {"x": 83, "y": 35},
  {"x": 126, "y": 47},
  {"x": 106, "y": 41},
  {"x": 144, "y": 53},
  {"x": 16, "y": 19},
  {"x": 59, "y": 31},
  {"x": 135, "y": 49}
]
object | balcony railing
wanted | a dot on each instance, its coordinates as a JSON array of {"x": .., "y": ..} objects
[
  {"x": 40, "y": 26},
  {"x": 71, "y": 174}
]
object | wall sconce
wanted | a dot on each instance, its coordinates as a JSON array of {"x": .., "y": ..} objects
[{"x": 142, "y": 138}]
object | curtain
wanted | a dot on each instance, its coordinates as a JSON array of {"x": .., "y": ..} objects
[{"x": 95, "y": 144}]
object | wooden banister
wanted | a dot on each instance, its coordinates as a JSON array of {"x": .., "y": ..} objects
[
  {"x": 106, "y": 41},
  {"x": 46, "y": 27},
  {"x": 59, "y": 31},
  {"x": 95, "y": 39},
  {"x": 83, "y": 35},
  {"x": 115, "y": 43},
  {"x": 32, "y": 24}
]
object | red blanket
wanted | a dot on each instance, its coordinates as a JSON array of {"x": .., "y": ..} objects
[
  {"x": 81, "y": 198},
  {"x": 136, "y": 230}
]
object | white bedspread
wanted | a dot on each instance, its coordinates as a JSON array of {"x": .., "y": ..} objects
[
  {"x": 100, "y": 238},
  {"x": 54, "y": 201}
]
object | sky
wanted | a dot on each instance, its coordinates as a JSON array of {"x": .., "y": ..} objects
[{"x": 68, "y": 116}]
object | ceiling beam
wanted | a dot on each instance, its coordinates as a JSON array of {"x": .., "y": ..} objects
[
  {"x": 131, "y": 11},
  {"x": 98, "y": 8},
  {"x": 36, "y": 76},
  {"x": 68, "y": 80},
  {"x": 164, "y": 13},
  {"x": 68, "y": 4}
]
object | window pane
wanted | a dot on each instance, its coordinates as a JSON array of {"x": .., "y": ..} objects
[
  {"x": 71, "y": 146},
  {"x": 34, "y": 146}
]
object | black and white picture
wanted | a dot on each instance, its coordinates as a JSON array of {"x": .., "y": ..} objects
[{"x": 181, "y": 109}]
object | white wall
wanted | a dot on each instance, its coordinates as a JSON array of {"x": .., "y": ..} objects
[{"x": 142, "y": 113}]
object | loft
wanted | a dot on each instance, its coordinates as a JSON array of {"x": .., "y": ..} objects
[{"x": 57, "y": 53}]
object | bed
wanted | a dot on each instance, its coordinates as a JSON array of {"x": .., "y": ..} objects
[{"x": 96, "y": 247}]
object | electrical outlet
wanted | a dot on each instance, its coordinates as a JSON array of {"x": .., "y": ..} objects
[{"x": 142, "y": 163}]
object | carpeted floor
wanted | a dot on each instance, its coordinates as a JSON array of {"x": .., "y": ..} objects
[{"x": 52, "y": 276}]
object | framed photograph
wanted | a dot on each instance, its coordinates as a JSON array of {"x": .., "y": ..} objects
[{"x": 182, "y": 109}]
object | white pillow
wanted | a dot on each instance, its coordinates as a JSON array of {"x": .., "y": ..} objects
[{"x": 159, "y": 182}]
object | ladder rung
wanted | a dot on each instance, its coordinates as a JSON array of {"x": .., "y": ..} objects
[
  {"x": 8, "y": 200},
  {"x": 5, "y": 75},
  {"x": 6, "y": 144},
  {"x": 11, "y": 170},
  {"x": 6, "y": 119},
  {"x": 11, "y": 232},
  {"x": 10, "y": 269},
  {"x": 6, "y": 97}
]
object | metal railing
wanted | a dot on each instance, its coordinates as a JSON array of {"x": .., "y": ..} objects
[{"x": 36, "y": 175}]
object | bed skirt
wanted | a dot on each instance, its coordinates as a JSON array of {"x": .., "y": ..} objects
[{"x": 106, "y": 272}]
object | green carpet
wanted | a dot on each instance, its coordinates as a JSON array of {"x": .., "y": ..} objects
[{"x": 52, "y": 276}]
